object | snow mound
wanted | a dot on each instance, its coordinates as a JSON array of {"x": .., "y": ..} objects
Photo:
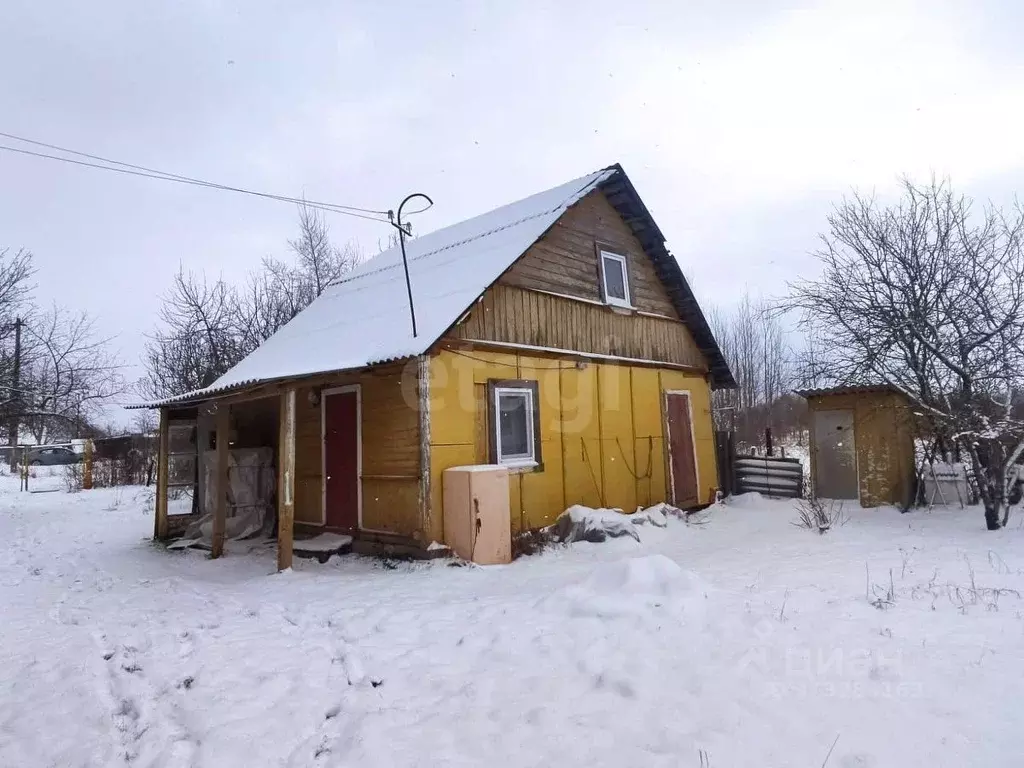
[
  {"x": 750, "y": 500},
  {"x": 634, "y": 587},
  {"x": 648, "y": 576}
]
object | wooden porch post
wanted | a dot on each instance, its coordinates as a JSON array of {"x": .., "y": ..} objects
[
  {"x": 286, "y": 480},
  {"x": 220, "y": 508},
  {"x": 161, "y": 527}
]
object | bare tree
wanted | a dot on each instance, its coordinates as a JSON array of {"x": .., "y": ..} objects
[
  {"x": 318, "y": 262},
  {"x": 723, "y": 401},
  {"x": 56, "y": 373},
  {"x": 927, "y": 295},
  {"x": 207, "y": 326},
  {"x": 393, "y": 241},
  {"x": 746, "y": 346},
  {"x": 776, "y": 368},
  {"x": 810, "y": 371},
  {"x": 16, "y": 271},
  {"x": 197, "y": 341},
  {"x": 754, "y": 343},
  {"x": 144, "y": 422},
  {"x": 68, "y": 374},
  {"x": 267, "y": 301}
]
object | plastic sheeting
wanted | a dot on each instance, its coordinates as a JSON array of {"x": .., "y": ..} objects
[{"x": 252, "y": 482}]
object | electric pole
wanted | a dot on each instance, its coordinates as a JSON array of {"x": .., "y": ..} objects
[{"x": 15, "y": 398}]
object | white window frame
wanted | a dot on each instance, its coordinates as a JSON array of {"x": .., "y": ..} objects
[
  {"x": 520, "y": 460},
  {"x": 615, "y": 301}
]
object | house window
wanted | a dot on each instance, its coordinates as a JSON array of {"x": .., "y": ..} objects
[
  {"x": 514, "y": 423},
  {"x": 615, "y": 278}
]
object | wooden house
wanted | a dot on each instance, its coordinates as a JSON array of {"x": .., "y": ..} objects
[
  {"x": 556, "y": 335},
  {"x": 862, "y": 444}
]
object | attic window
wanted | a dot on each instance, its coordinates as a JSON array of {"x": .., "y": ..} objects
[{"x": 615, "y": 279}]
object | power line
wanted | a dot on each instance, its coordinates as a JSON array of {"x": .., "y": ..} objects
[
  {"x": 151, "y": 173},
  {"x": 184, "y": 178}
]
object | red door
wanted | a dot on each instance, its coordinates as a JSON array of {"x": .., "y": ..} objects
[
  {"x": 682, "y": 466},
  {"x": 341, "y": 460}
]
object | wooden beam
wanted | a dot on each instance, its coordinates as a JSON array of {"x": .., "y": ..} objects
[
  {"x": 286, "y": 481},
  {"x": 220, "y": 506},
  {"x": 427, "y": 513},
  {"x": 564, "y": 354},
  {"x": 279, "y": 387},
  {"x": 161, "y": 526}
]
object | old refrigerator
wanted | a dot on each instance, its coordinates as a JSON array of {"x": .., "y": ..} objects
[{"x": 477, "y": 519}]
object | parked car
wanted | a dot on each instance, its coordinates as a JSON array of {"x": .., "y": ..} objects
[{"x": 50, "y": 455}]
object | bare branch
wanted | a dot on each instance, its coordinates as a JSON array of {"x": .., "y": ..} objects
[{"x": 927, "y": 295}]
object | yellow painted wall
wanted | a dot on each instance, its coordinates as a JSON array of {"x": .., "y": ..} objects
[{"x": 601, "y": 426}]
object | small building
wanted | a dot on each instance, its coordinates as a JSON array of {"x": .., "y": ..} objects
[
  {"x": 862, "y": 444},
  {"x": 556, "y": 336}
]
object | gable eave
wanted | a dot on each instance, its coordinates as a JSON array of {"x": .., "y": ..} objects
[{"x": 623, "y": 197}]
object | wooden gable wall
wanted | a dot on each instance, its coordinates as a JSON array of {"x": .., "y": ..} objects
[
  {"x": 552, "y": 296},
  {"x": 565, "y": 260}
]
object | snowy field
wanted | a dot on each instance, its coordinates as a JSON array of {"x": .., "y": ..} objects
[{"x": 742, "y": 641}]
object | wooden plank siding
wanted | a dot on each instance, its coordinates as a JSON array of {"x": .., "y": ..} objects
[
  {"x": 552, "y": 297},
  {"x": 518, "y": 316},
  {"x": 390, "y": 450},
  {"x": 565, "y": 260}
]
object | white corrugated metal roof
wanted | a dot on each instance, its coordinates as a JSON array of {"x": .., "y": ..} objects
[{"x": 364, "y": 319}]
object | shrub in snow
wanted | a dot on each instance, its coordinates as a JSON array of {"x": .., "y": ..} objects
[
  {"x": 532, "y": 541},
  {"x": 819, "y": 514}
]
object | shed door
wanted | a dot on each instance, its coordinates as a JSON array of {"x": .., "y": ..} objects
[
  {"x": 835, "y": 455},
  {"x": 341, "y": 459},
  {"x": 682, "y": 462}
]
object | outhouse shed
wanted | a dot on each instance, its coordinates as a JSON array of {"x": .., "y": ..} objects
[{"x": 862, "y": 444}]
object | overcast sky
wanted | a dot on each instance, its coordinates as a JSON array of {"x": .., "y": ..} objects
[{"x": 739, "y": 123}]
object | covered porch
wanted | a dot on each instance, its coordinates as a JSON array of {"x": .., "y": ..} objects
[
  {"x": 194, "y": 465},
  {"x": 342, "y": 454}
]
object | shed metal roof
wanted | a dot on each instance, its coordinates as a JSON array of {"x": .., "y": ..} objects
[
  {"x": 850, "y": 389},
  {"x": 363, "y": 319}
]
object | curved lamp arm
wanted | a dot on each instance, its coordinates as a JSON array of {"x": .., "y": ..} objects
[{"x": 402, "y": 233}]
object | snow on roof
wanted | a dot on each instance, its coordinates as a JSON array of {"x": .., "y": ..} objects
[{"x": 364, "y": 318}]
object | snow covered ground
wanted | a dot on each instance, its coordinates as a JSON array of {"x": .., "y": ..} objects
[{"x": 745, "y": 638}]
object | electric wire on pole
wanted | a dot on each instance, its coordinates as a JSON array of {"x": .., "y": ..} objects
[{"x": 131, "y": 169}]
